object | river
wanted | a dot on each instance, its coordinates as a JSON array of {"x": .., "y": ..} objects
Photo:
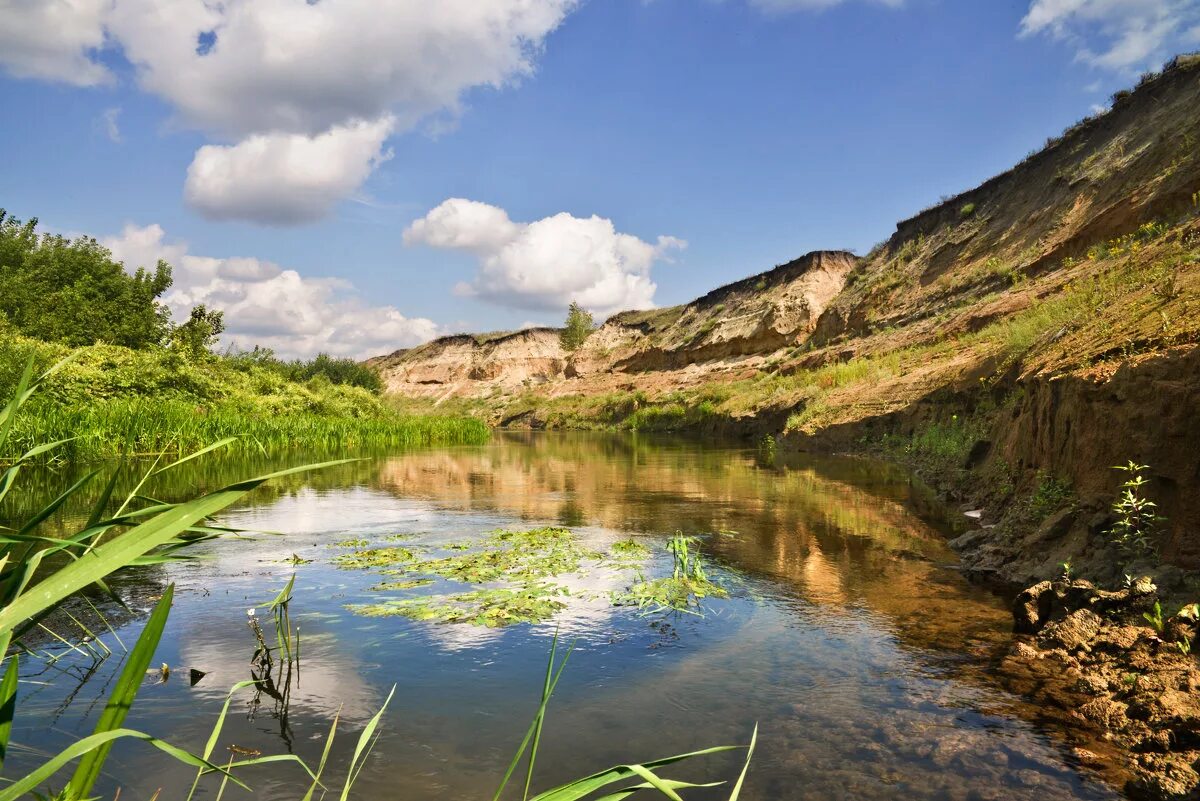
[{"x": 848, "y": 636}]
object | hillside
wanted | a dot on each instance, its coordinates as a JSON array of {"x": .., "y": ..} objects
[{"x": 1038, "y": 328}]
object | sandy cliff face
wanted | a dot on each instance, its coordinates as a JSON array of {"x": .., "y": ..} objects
[
  {"x": 466, "y": 364},
  {"x": 752, "y": 317},
  {"x": 1102, "y": 178}
]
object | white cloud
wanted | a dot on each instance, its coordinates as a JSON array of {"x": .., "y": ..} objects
[
  {"x": 548, "y": 263},
  {"x": 53, "y": 39},
  {"x": 1114, "y": 34},
  {"x": 784, "y": 6},
  {"x": 109, "y": 122},
  {"x": 268, "y": 305},
  {"x": 271, "y": 65},
  {"x": 285, "y": 178},
  {"x": 273, "y": 78}
]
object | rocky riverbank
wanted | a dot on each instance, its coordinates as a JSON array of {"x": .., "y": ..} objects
[{"x": 1116, "y": 665}]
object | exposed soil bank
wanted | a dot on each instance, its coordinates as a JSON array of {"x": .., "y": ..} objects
[
  {"x": 1093, "y": 659},
  {"x": 1016, "y": 435}
]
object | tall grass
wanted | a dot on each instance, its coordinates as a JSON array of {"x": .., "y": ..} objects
[
  {"x": 137, "y": 425},
  {"x": 109, "y": 400}
]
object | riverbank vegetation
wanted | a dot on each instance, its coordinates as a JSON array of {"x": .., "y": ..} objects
[
  {"x": 133, "y": 382},
  {"x": 110, "y": 400}
]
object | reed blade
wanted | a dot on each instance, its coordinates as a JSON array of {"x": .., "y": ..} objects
[{"x": 123, "y": 695}]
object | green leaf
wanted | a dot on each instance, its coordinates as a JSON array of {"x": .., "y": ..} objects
[
  {"x": 737, "y": 788},
  {"x": 123, "y": 695},
  {"x": 312, "y": 788},
  {"x": 364, "y": 741},
  {"x": 211, "y": 745},
  {"x": 581, "y": 788},
  {"x": 8, "y": 706},
  {"x": 123, "y": 549},
  {"x": 219, "y": 444},
  {"x": 31, "y": 781}
]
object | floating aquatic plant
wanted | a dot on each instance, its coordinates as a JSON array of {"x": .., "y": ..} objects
[
  {"x": 353, "y": 542},
  {"x": 682, "y": 591},
  {"x": 519, "y": 570},
  {"x": 492, "y": 607},
  {"x": 374, "y": 557},
  {"x": 630, "y": 549}
]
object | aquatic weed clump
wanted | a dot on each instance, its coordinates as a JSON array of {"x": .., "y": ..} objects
[
  {"x": 525, "y": 563},
  {"x": 374, "y": 557},
  {"x": 682, "y": 591},
  {"x": 494, "y": 607}
]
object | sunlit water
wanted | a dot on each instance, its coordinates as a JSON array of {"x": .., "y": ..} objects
[{"x": 850, "y": 639}]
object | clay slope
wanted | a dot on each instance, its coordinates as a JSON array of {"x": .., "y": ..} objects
[
  {"x": 1100, "y": 179},
  {"x": 756, "y": 315}
]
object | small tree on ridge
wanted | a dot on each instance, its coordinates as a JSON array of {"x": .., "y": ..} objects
[{"x": 578, "y": 327}]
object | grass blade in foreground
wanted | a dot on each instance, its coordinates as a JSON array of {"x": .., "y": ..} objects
[
  {"x": 581, "y": 788},
  {"x": 30, "y": 782},
  {"x": 535, "y": 727},
  {"x": 365, "y": 743},
  {"x": 123, "y": 549},
  {"x": 8, "y": 705},
  {"x": 123, "y": 695}
]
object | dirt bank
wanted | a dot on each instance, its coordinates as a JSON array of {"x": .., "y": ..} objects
[{"x": 1104, "y": 661}]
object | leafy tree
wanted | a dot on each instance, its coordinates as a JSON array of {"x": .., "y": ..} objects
[
  {"x": 323, "y": 366},
  {"x": 72, "y": 291},
  {"x": 578, "y": 327},
  {"x": 338, "y": 371},
  {"x": 197, "y": 336}
]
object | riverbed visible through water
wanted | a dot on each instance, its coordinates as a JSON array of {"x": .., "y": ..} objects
[{"x": 848, "y": 636}]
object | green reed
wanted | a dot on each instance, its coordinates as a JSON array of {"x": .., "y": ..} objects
[{"x": 138, "y": 426}]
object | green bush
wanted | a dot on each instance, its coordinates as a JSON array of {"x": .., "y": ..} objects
[
  {"x": 72, "y": 291},
  {"x": 110, "y": 400}
]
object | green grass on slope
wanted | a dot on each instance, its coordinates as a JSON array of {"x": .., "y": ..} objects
[{"x": 111, "y": 400}]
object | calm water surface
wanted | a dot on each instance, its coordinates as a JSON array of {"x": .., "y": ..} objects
[{"x": 849, "y": 637}]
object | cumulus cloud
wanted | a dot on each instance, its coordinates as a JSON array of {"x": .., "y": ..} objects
[
  {"x": 546, "y": 264},
  {"x": 1115, "y": 34},
  {"x": 268, "y": 305},
  {"x": 285, "y": 178},
  {"x": 267, "y": 65},
  {"x": 53, "y": 39},
  {"x": 273, "y": 79}
]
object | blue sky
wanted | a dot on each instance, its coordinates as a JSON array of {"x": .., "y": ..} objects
[{"x": 358, "y": 175}]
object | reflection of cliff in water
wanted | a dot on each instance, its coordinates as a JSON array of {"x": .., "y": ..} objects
[{"x": 831, "y": 532}]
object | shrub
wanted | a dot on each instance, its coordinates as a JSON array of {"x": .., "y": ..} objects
[
  {"x": 577, "y": 329},
  {"x": 1137, "y": 517}
]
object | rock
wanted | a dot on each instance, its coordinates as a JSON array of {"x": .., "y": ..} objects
[
  {"x": 1163, "y": 778},
  {"x": 1118, "y": 639},
  {"x": 1073, "y": 631},
  {"x": 1032, "y": 607},
  {"x": 1092, "y": 684},
  {"x": 1106, "y": 712},
  {"x": 970, "y": 540},
  {"x": 1024, "y": 650}
]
